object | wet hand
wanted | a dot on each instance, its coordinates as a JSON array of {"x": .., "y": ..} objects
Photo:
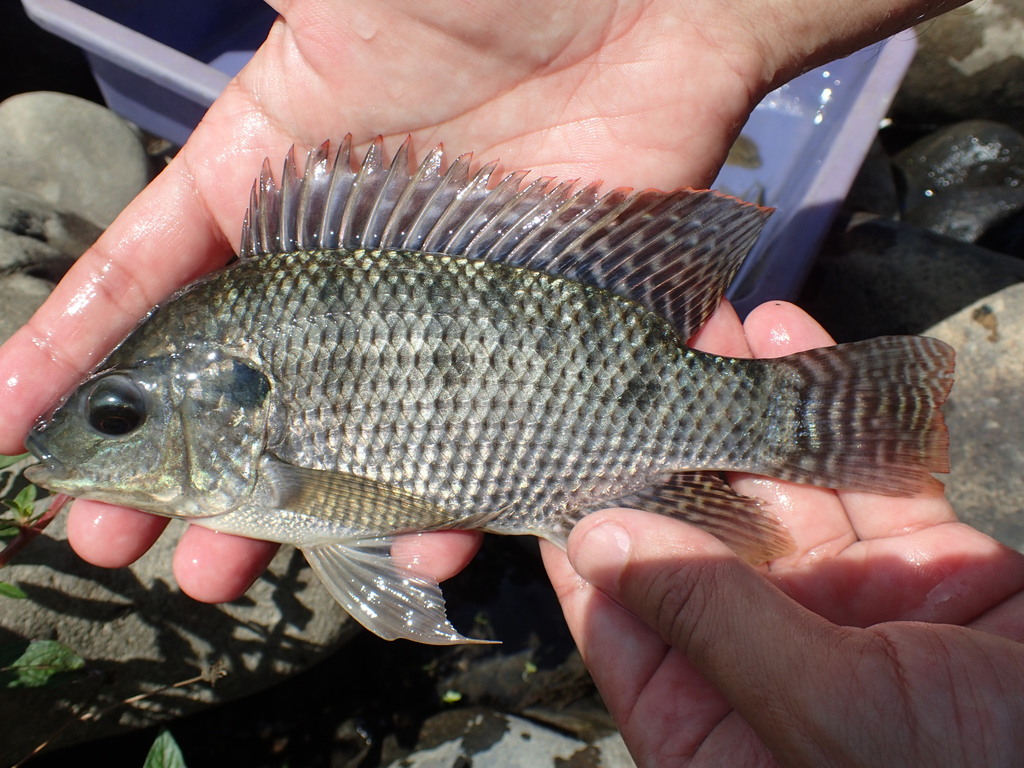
[
  {"x": 646, "y": 94},
  {"x": 892, "y": 635}
]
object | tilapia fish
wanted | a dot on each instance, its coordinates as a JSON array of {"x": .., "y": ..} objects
[{"x": 401, "y": 350}]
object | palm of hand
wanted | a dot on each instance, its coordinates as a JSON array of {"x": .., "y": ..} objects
[
  {"x": 560, "y": 88},
  {"x": 811, "y": 685}
]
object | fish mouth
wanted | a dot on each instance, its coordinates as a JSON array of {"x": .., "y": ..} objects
[{"x": 49, "y": 469}]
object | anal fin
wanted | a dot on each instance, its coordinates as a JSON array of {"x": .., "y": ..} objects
[
  {"x": 390, "y": 601},
  {"x": 704, "y": 499}
]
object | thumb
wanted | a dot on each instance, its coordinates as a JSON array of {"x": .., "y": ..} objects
[{"x": 774, "y": 661}]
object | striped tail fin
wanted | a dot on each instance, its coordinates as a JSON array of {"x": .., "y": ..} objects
[{"x": 866, "y": 416}]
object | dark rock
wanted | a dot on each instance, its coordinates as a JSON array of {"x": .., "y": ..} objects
[
  {"x": 985, "y": 414},
  {"x": 874, "y": 188},
  {"x": 75, "y": 154},
  {"x": 989, "y": 216},
  {"x": 969, "y": 64},
  {"x": 973, "y": 153},
  {"x": 884, "y": 277}
]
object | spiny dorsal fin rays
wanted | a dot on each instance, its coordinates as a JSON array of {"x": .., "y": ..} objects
[
  {"x": 312, "y": 198},
  {"x": 414, "y": 200},
  {"x": 673, "y": 252},
  {"x": 437, "y": 219}
]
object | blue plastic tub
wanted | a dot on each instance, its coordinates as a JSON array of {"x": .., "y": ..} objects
[{"x": 161, "y": 64}]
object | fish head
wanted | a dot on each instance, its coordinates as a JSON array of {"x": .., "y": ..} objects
[{"x": 178, "y": 435}]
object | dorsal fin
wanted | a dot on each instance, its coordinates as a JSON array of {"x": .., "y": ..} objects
[{"x": 673, "y": 252}]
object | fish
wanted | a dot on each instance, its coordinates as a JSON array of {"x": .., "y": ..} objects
[{"x": 403, "y": 348}]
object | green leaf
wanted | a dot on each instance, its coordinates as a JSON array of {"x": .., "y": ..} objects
[
  {"x": 8, "y": 531},
  {"x": 165, "y": 753},
  {"x": 38, "y": 663},
  {"x": 9, "y": 590},
  {"x": 451, "y": 696},
  {"x": 6, "y": 461},
  {"x": 23, "y": 503}
]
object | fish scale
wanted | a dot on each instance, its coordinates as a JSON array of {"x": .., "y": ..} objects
[{"x": 526, "y": 369}]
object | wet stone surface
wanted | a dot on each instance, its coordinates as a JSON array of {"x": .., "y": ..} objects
[{"x": 985, "y": 414}]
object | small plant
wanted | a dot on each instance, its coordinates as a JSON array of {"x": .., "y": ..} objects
[
  {"x": 165, "y": 753},
  {"x": 22, "y": 516},
  {"x": 36, "y": 663}
]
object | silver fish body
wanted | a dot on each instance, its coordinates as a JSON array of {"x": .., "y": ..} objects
[{"x": 463, "y": 374}]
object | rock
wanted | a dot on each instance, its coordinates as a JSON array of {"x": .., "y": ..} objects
[
  {"x": 884, "y": 277},
  {"x": 985, "y": 414},
  {"x": 874, "y": 188},
  {"x": 20, "y": 296},
  {"x": 466, "y": 737},
  {"x": 969, "y": 64},
  {"x": 38, "y": 243},
  {"x": 26, "y": 216},
  {"x": 991, "y": 216},
  {"x": 972, "y": 153},
  {"x": 75, "y": 154},
  {"x": 138, "y": 633}
]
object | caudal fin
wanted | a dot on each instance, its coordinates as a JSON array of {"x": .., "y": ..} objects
[{"x": 867, "y": 416}]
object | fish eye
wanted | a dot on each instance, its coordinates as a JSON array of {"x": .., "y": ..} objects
[{"x": 115, "y": 406}]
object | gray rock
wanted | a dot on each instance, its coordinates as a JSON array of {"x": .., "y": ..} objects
[
  {"x": 966, "y": 181},
  {"x": 990, "y": 216},
  {"x": 886, "y": 277},
  {"x": 138, "y": 633},
  {"x": 20, "y": 296},
  {"x": 969, "y": 64},
  {"x": 985, "y": 414},
  {"x": 38, "y": 243},
  {"x": 972, "y": 153},
  {"x": 76, "y": 154},
  {"x": 37, "y": 222},
  {"x": 480, "y": 737}
]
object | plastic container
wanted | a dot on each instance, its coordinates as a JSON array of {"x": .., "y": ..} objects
[
  {"x": 158, "y": 63},
  {"x": 161, "y": 64},
  {"x": 811, "y": 136}
]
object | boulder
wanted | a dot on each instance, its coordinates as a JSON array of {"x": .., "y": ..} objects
[
  {"x": 73, "y": 153},
  {"x": 985, "y": 414},
  {"x": 969, "y": 64}
]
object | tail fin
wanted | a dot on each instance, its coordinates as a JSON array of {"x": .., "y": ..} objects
[{"x": 868, "y": 416}]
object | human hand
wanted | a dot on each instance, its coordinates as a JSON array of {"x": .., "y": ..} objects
[
  {"x": 891, "y": 636},
  {"x": 645, "y": 94}
]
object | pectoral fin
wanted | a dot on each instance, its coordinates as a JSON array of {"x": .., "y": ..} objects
[
  {"x": 358, "y": 503},
  {"x": 388, "y": 600},
  {"x": 707, "y": 501}
]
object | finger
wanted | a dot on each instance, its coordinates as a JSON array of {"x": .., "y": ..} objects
[
  {"x": 217, "y": 567},
  {"x": 778, "y": 328},
  {"x": 111, "y": 536},
  {"x": 640, "y": 677},
  {"x": 438, "y": 555},
  {"x": 775, "y": 662},
  {"x": 946, "y": 574},
  {"x": 722, "y": 333}
]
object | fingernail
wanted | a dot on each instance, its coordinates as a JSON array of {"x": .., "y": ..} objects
[{"x": 601, "y": 554}]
